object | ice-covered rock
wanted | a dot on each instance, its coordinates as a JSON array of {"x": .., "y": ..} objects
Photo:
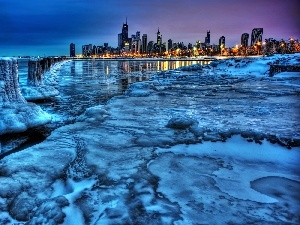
[
  {"x": 16, "y": 115},
  {"x": 181, "y": 123},
  {"x": 50, "y": 212}
]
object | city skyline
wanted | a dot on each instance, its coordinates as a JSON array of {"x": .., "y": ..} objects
[{"x": 48, "y": 28}]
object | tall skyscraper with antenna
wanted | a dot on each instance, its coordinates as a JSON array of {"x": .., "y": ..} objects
[
  {"x": 207, "y": 38},
  {"x": 159, "y": 38},
  {"x": 124, "y": 34}
]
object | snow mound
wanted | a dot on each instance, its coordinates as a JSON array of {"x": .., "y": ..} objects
[
  {"x": 93, "y": 114},
  {"x": 257, "y": 66},
  {"x": 142, "y": 89}
]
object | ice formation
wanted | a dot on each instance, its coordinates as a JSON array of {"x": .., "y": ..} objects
[
  {"x": 41, "y": 79},
  {"x": 9, "y": 86},
  {"x": 16, "y": 115},
  {"x": 205, "y": 147}
]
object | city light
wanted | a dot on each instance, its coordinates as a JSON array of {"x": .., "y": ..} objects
[{"x": 135, "y": 47}]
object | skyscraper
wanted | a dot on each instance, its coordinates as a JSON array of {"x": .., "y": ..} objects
[
  {"x": 136, "y": 42},
  {"x": 207, "y": 38},
  {"x": 72, "y": 50},
  {"x": 124, "y": 34},
  {"x": 221, "y": 44},
  {"x": 159, "y": 38},
  {"x": 138, "y": 35},
  {"x": 244, "y": 39},
  {"x": 120, "y": 40},
  {"x": 170, "y": 44},
  {"x": 144, "y": 43},
  {"x": 222, "y": 41},
  {"x": 87, "y": 50},
  {"x": 256, "y": 36}
]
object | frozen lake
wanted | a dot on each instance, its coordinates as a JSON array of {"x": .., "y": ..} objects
[
  {"x": 86, "y": 83},
  {"x": 83, "y": 84},
  {"x": 214, "y": 146}
]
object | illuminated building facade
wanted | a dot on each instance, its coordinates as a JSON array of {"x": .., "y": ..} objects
[
  {"x": 144, "y": 43},
  {"x": 159, "y": 38},
  {"x": 244, "y": 39},
  {"x": 207, "y": 38},
  {"x": 222, "y": 42},
  {"x": 170, "y": 44},
  {"x": 256, "y": 36},
  {"x": 124, "y": 34},
  {"x": 72, "y": 50}
]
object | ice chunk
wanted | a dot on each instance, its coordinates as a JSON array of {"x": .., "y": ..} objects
[{"x": 181, "y": 122}]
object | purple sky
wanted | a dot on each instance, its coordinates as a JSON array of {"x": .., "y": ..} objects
[{"x": 47, "y": 27}]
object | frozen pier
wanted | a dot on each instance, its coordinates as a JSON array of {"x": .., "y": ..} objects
[
  {"x": 37, "y": 67},
  {"x": 39, "y": 71}
]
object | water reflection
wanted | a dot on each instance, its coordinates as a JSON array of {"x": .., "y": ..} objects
[
  {"x": 86, "y": 83},
  {"x": 125, "y": 82}
]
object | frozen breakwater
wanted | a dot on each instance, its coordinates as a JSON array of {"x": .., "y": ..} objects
[
  {"x": 169, "y": 151},
  {"x": 16, "y": 114},
  {"x": 41, "y": 79}
]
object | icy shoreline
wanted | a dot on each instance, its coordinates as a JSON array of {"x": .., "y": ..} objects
[
  {"x": 138, "y": 158},
  {"x": 47, "y": 88}
]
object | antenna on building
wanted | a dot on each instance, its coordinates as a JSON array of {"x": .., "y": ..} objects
[{"x": 126, "y": 19}]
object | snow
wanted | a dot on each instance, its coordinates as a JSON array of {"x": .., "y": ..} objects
[
  {"x": 72, "y": 190},
  {"x": 207, "y": 146},
  {"x": 39, "y": 93},
  {"x": 16, "y": 115},
  {"x": 257, "y": 66}
]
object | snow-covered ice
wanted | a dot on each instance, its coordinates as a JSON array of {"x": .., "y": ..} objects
[
  {"x": 16, "y": 115},
  {"x": 213, "y": 146}
]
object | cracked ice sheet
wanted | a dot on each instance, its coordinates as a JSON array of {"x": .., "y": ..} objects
[{"x": 220, "y": 179}]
